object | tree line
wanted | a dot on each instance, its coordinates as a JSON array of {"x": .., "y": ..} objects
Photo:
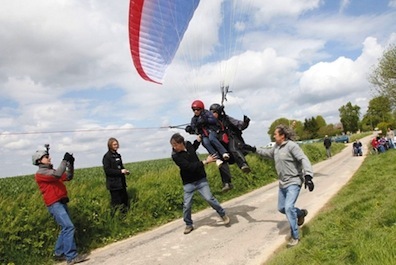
[{"x": 381, "y": 111}]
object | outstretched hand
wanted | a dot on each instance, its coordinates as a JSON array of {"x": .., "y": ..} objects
[
  {"x": 199, "y": 138},
  {"x": 211, "y": 158},
  {"x": 69, "y": 158},
  {"x": 246, "y": 119},
  {"x": 309, "y": 183},
  {"x": 250, "y": 148}
]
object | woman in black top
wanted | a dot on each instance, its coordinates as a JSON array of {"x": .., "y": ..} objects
[{"x": 115, "y": 177}]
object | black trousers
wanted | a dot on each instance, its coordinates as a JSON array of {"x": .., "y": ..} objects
[
  {"x": 235, "y": 147},
  {"x": 119, "y": 200},
  {"x": 225, "y": 173}
]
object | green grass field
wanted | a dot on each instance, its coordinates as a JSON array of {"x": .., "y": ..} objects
[
  {"x": 28, "y": 233},
  {"x": 358, "y": 226}
]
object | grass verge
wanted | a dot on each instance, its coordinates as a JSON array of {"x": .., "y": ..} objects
[{"x": 358, "y": 226}]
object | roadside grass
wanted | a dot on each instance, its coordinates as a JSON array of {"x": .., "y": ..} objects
[
  {"x": 28, "y": 233},
  {"x": 358, "y": 226}
]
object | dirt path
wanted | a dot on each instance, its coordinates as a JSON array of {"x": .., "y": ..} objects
[{"x": 255, "y": 232}]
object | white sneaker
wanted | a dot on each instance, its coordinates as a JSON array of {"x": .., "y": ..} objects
[
  {"x": 219, "y": 162},
  {"x": 226, "y": 156},
  {"x": 227, "y": 187},
  {"x": 188, "y": 229},
  {"x": 293, "y": 242},
  {"x": 246, "y": 169}
]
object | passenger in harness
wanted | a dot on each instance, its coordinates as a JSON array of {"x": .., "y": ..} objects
[
  {"x": 203, "y": 123},
  {"x": 230, "y": 134}
]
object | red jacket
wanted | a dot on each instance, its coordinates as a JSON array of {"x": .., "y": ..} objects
[
  {"x": 375, "y": 143},
  {"x": 50, "y": 182}
]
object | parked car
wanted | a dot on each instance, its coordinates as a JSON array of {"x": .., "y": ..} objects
[
  {"x": 341, "y": 139},
  {"x": 270, "y": 145}
]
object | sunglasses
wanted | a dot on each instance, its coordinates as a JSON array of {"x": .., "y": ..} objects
[{"x": 194, "y": 109}]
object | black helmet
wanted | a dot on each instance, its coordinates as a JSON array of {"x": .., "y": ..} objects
[{"x": 216, "y": 108}]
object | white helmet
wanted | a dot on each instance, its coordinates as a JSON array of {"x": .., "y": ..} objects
[{"x": 37, "y": 156}]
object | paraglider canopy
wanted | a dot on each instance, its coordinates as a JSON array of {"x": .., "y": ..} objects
[{"x": 156, "y": 28}]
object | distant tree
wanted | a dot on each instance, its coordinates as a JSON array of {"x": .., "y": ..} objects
[
  {"x": 338, "y": 126},
  {"x": 311, "y": 127},
  {"x": 383, "y": 76},
  {"x": 349, "y": 116},
  {"x": 393, "y": 125},
  {"x": 305, "y": 135},
  {"x": 366, "y": 127},
  {"x": 369, "y": 120},
  {"x": 329, "y": 130},
  {"x": 320, "y": 121},
  {"x": 379, "y": 110},
  {"x": 383, "y": 127}
]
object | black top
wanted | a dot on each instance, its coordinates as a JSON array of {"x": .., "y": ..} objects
[
  {"x": 112, "y": 165},
  {"x": 191, "y": 168},
  {"x": 327, "y": 142}
]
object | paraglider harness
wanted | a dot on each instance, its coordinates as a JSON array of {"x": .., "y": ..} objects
[
  {"x": 229, "y": 131},
  {"x": 222, "y": 134},
  {"x": 199, "y": 125}
]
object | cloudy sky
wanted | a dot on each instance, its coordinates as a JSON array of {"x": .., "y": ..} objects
[{"x": 67, "y": 77}]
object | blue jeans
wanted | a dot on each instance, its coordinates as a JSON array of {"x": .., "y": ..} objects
[
  {"x": 202, "y": 187},
  {"x": 212, "y": 144},
  {"x": 65, "y": 243},
  {"x": 357, "y": 151},
  {"x": 381, "y": 148},
  {"x": 287, "y": 197},
  {"x": 391, "y": 143}
]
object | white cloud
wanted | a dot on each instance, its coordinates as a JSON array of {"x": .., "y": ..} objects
[
  {"x": 344, "y": 5},
  {"x": 61, "y": 43},
  {"x": 268, "y": 10},
  {"x": 341, "y": 79}
]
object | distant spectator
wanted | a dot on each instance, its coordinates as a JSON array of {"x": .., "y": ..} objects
[
  {"x": 327, "y": 145},
  {"x": 357, "y": 148},
  {"x": 382, "y": 140},
  {"x": 377, "y": 147},
  {"x": 390, "y": 136}
]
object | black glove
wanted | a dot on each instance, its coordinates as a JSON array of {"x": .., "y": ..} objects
[
  {"x": 69, "y": 158},
  {"x": 250, "y": 148},
  {"x": 189, "y": 129},
  {"x": 246, "y": 119},
  {"x": 308, "y": 182}
]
